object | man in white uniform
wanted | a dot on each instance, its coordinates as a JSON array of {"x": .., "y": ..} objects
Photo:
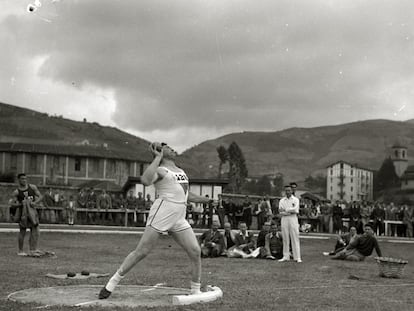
[
  {"x": 289, "y": 210},
  {"x": 167, "y": 214}
]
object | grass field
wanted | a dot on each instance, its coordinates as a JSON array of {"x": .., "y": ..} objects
[{"x": 319, "y": 283}]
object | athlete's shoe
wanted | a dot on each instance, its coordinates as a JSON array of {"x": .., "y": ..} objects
[
  {"x": 21, "y": 254},
  {"x": 104, "y": 293},
  {"x": 299, "y": 260}
]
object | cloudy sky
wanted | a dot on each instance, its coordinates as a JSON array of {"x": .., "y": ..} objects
[{"x": 183, "y": 71}]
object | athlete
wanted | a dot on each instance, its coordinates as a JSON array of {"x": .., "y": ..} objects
[
  {"x": 25, "y": 198},
  {"x": 167, "y": 215}
]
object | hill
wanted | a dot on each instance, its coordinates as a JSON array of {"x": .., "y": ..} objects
[
  {"x": 299, "y": 152},
  {"x": 20, "y": 125}
]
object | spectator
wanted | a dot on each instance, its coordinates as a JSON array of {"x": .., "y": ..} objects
[
  {"x": 220, "y": 210},
  {"x": 391, "y": 214},
  {"x": 247, "y": 212},
  {"x": 365, "y": 213},
  {"x": 245, "y": 245},
  {"x": 140, "y": 209},
  {"x": 229, "y": 238},
  {"x": 269, "y": 214},
  {"x": 326, "y": 211},
  {"x": 337, "y": 214},
  {"x": 82, "y": 198},
  {"x": 130, "y": 204},
  {"x": 70, "y": 210},
  {"x": 360, "y": 247},
  {"x": 212, "y": 241},
  {"x": 206, "y": 214},
  {"x": 104, "y": 202},
  {"x": 289, "y": 210},
  {"x": 273, "y": 244},
  {"x": 116, "y": 204},
  {"x": 355, "y": 217},
  {"x": 378, "y": 215},
  {"x": 148, "y": 202},
  {"x": 261, "y": 238},
  {"x": 48, "y": 198},
  {"x": 408, "y": 219},
  {"x": 197, "y": 214},
  {"x": 343, "y": 241},
  {"x": 261, "y": 211}
]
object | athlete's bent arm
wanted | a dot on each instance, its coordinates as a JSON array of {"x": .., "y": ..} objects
[
  {"x": 192, "y": 197},
  {"x": 151, "y": 173}
]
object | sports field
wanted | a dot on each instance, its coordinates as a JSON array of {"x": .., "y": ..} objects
[{"x": 319, "y": 283}]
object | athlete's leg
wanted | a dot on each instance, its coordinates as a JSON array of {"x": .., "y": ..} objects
[
  {"x": 22, "y": 233},
  {"x": 34, "y": 238},
  {"x": 294, "y": 234},
  {"x": 143, "y": 248},
  {"x": 188, "y": 241}
]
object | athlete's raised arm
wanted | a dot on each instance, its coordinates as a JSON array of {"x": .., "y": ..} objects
[{"x": 152, "y": 173}]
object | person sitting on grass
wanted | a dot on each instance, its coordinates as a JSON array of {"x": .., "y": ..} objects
[
  {"x": 261, "y": 238},
  {"x": 343, "y": 241},
  {"x": 229, "y": 238},
  {"x": 212, "y": 241},
  {"x": 273, "y": 248},
  {"x": 245, "y": 245},
  {"x": 360, "y": 247}
]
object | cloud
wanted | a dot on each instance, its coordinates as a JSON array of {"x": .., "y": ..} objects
[{"x": 201, "y": 68}]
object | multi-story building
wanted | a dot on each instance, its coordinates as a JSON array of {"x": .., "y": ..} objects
[
  {"x": 349, "y": 182},
  {"x": 70, "y": 164}
]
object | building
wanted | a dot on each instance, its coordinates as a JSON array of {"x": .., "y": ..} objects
[
  {"x": 70, "y": 164},
  {"x": 399, "y": 157},
  {"x": 349, "y": 182},
  {"x": 407, "y": 179}
]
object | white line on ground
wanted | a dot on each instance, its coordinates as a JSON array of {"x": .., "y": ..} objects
[
  {"x": 86, "y": 303},
  {"x": 343, "y": 286}
]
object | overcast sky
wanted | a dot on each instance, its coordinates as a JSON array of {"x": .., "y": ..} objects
[{"x": 184, "y": 71}]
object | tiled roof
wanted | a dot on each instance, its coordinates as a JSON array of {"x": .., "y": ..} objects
[{"x": 75, "y": 150}]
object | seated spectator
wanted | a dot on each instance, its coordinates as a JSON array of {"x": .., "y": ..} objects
[
  {"x": 212, "y": 241},
  {"x": 82, "y": 198},
  {"x": 261, "y": 238},
  {"x": 229, "y": 238},
  {"x": 343, "y": 241},
  {"x": 360, "y": 246},
  {"x": 273, "y": 248},
  {"x": 148, "y": 202},
  {"x": 245, "y": 245}
]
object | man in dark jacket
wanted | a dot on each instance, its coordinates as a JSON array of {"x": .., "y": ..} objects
[
  {"x": 212, "y": 241},
  {"x": 360, "y": 247}
]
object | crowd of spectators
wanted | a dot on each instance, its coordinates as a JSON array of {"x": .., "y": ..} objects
[{"x": 254, "y": 211}]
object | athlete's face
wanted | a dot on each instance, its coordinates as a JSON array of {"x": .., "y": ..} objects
[
  {"x": 23, "y": 181},
  {"x": 168, "y": 152}
]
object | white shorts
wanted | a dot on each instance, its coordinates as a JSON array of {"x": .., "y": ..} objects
[{"x": 165, "y": 216}]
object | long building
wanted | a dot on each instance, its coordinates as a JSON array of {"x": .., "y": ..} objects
[
  {"x": 70, "y": 164},
  {"x": 349, "y": 182}
]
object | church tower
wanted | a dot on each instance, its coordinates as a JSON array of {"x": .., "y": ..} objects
[{"x": 399, "y": 158}]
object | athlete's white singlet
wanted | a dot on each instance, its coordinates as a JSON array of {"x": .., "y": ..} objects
[{"x": 173, "y": 187}]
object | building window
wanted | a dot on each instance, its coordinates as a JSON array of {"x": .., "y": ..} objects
[
  {"x": 13, "y": 161},
  {"x": 141, "y": 169},
  {"x": 341, "y": 165},
  {"x": 352, "y": 188},
  {"x": 396, "y": 153},
  {"x": 77, "y": 164},
  {"x": 352, "y": 197},
  {"x": 33, "y": 163},
  {"x": 403, "y": 154},
  {"x": 331, "y": 188},
  {"x": 352, "y": 172},
  {"x": 331, "y": 172},
  {"x": 331, "y": 197},
  {"x": 95, "y": 165},
  {"x": 352, "y": 180}
]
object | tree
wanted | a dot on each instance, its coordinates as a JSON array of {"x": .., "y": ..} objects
[
  {"x": 238, "y": 170},
  {"x": 386, "y": 177},
  {"x": 278, "y": 184},
  {"x": 223, "y": 157},
  {"x": 263, "y": 186},
  {"x": 315, "y": 183}
]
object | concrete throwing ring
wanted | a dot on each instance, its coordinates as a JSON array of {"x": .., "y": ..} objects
[{"x": 124, "y": 296}]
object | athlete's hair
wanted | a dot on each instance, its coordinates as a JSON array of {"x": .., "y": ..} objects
[{"x": 20, "y": 175}]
